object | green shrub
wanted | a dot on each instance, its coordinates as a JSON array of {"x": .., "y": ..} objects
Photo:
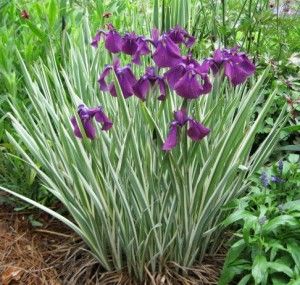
[{"x": 267, "y": 245}]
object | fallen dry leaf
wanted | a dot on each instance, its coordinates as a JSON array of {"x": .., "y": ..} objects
[{"x": 10, "y": 274}]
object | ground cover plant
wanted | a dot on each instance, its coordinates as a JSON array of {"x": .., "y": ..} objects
[{"x": 266, "y": 249}]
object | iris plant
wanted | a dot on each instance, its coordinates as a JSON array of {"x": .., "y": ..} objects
[
  {"x": 185, "y": 75},
  {"x": 141, "y": 213}
]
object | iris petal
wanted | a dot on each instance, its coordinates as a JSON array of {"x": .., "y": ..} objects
[
  {"x": 190, "y": 41},
  {"x": 89, "y": 129},
  {"x": 206, "y": 87},
  {"x": 179, "y": 35},
  {"x": 162, "y": 88},
  {"x": 113, "y": 41},
  {"x": 103, "y": 119},
  {"x": 155, "y": 35},
  {"x": 218, "y": 56},
  {"x": 124, "y": 75},
  {"x": 86, "y": 116},
  {"x": 181, "y": 117},
  {"x": 171, "y": 140},
  {"x": 167, "y": 53},
  {"x": 126, "y": 81},
  {"x": 96, "y": 39},
  {"x": 247, "y": 66},
  {"x": 76, "y": 128},
  {"x": 141, "y": 88},
  {"x": 142, "y": 49},
  {"x": 129, "y": 45},
  {"x": 237, "y": 66},
  {"x": 112, "y": 90},
  {"x": 101, "y": 80},
  {"x": 234, "y": 73},
  {"x": 87, "y": 126},
  {"x": 197, "y": 131},
  {"x": 174, "y": 74},
  {"x": 188, "y": 86}
]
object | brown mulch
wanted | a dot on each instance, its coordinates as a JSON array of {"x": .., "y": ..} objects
[
  {"x": 54, "y": 255},
  {"x": 50, "y": 254}
]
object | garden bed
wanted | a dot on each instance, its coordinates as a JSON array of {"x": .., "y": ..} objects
[
  {"x": 48, "y": 254},
  {"x": 52, "y": 254},
  {"x": 140, "y": 133}
]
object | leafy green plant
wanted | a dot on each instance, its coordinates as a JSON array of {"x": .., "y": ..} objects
[
  {"x": 266, "y": 249},
  {"x": 135, "y": 206}
]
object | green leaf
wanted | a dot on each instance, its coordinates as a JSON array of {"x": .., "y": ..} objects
[
  {"x": 245, "y": 280},
  {"x": 52, "y": 12},
  {"x": 38, "y": 32},
  {"x": 279, "y": 267},
  {"x": 236, "y": 268},
  {"x": 34, "y": 222},
  {"x": 156, "y": 14},
  {"x": 235, "y": 251},
  {"x": 293, "y": 248},
  {"x": 294, "y": 158},
  {"x": 291, "y": 148},
  {"x": 279, "y": 221},
  {"x": 292, "y": 206},
  {"x": 240, "y": 214},
  {"x": 295, "y": 282},
  {"x": 292, "y": 129},
  {"x": 259, "y": 270}
]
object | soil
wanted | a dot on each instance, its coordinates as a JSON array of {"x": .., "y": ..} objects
[{"x": 52, "y": 254}]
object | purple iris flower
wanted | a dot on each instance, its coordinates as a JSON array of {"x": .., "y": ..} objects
[
  {"x": 135, "y": 46},
  {"x": 237, "y": 66},
  {"x": 125, "y": 77},
  {"x": 149, "y": 79},
  {"x": 167, "y": 53},
  {"x": 196, "y": 130},
  {"x": 179, "y": 35},
  {"x": 113, "y": 40},
  {"x": 189, "y": 78},
  {"x": 86, "y": 116}
]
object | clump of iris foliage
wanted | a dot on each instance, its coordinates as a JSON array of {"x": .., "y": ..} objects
[
  {"x": 268, "y": 36},
  {"x": 267, "y": 245},
  {"x": 145, "y": 155}
]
